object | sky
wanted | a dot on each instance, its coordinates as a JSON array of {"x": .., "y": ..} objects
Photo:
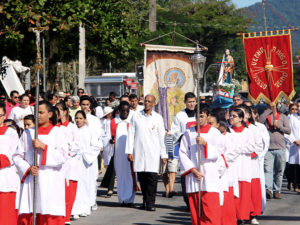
[{"x": 244, "y": 3}]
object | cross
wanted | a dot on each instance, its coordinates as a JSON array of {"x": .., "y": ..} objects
[{"x": 37, "y": 30}]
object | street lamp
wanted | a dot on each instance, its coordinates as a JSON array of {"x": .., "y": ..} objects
[{"x": 198, "y": 64}]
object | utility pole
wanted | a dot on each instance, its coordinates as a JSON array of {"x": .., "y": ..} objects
[
  {"x": 152, "y": 15},
  {"x": 82, "y": 71}
]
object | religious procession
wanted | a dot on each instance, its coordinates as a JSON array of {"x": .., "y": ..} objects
[{"x": 185, "y": 139}]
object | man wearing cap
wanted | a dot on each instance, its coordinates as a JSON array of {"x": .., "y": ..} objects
[{"x": 61, "y": 96}]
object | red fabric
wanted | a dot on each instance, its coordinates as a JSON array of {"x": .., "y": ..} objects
[
  {"x": 113, "y": 128},
  {"x": 26, "y": 219},
  {"x": 269, "y": 66},
  {"x": 70, "y": 198},
  {"x": 45, "y": 130},
  {"x": 133, "y": 175},
  {"x": 253, "y": 155},
  {"x": 44, "y": 157},
  {"x": 4, "y": 161},
  {"x": 3, "y": 129},
  {"x": 228, "y": 212},
  {"x": 247, "y": 123},
  {"x": 187, "y": 172},
  {"x": 226, "y": 164},
  {"x": 8, "y": 214},
  {"x": 9, "y": 107},
  {"x": 271, "y": 127},
  {"x": 256, "y": 197},
  {"x": 205, "y": 151},
  {"x": 66, "y": 123},
  {"x": 243, "y": 204},
  {"x": 25, "y": 175},
  {"x": 238, "y": 129},
  {"x": 210, "y": 205},
  {"x": 191, "y": 124}
]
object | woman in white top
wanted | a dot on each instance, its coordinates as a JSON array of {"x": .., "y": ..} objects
[{"x": 19, "y": 112}]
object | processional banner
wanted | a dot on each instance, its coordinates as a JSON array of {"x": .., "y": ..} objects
[
  {"x": 168, "y": 76},
  {"x": 269, "y": 65}
]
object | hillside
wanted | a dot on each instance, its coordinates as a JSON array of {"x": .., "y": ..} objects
[{"x": 288, "y": 9}]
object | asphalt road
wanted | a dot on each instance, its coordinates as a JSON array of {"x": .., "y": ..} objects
[{"x": 173, "y": 210}]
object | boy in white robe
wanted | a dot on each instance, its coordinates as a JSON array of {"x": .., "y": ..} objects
[
  {"x": 50, "y": 191},
  {"x": 211, "y": 144}
]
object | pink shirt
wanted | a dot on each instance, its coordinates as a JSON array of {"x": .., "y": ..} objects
[{"x": 9, "y": 107}]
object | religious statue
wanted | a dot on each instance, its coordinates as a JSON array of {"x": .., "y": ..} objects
[{"x": 228, "y": 67}]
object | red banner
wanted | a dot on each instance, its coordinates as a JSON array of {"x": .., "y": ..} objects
[{"x": 270, "y": 67}]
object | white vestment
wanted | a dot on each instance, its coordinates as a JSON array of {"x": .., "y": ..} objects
[
  {"x": 106, "y": 136},
  {"x": 50, "y": 192},
  {"x": 294, "y": 136},
  {"x": 145, "y": 140},
  {"x": 89, "y": 150},
  {"x": 125, "y": 187}
]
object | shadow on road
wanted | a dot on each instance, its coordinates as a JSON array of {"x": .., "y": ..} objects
[{"x": 280, "y": 218}]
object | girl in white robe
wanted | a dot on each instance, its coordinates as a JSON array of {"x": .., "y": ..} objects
[
  {"x": 50, "y": 192},
  {"x": 89, "y": 150},
  {"x": 9, "y": 180},
  {"x": 106, "y": 136}
]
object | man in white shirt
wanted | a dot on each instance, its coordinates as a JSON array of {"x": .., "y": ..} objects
[
  {"x": 133, "y": 99},
  {"x": 145, "y": 147}
]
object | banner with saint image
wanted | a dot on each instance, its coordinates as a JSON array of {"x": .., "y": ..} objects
[
  {"x": 168, "y": 76},
  {"x": 269, "y": 65}
]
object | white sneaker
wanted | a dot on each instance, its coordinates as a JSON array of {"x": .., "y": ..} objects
[
  {"x": 94, "y": 207},
  {"x": 67, "y": 223},
  {"x": 75, "y": 217},
  {"x": 254, "y": 221},
  {"x": 83, "y": 215}
]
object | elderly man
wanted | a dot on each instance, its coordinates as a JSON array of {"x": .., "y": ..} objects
[
  {"x": 75, "y": 106},
  {"x": 145, "y": 147}
]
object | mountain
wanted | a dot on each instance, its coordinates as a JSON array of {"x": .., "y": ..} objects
[{"x": 289, "y": 10}]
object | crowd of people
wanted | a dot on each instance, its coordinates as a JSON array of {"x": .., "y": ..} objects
[{"x": 243, "y": 154}]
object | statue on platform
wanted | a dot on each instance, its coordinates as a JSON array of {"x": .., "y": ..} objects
[{"x": 227, "y": 68}]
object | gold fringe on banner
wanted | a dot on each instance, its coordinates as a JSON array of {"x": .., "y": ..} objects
[{"x": 266, "y": 33}]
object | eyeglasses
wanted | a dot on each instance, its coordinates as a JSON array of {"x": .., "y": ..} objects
[
  {"x": 293, "y": 108},
  {"x": 237, "y": 99},
  {"x": 16, "y": 97},
  {"x": 233, "y": 116}
]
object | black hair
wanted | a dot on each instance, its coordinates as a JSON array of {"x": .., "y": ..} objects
[
  {"x": 189, "y": 95},
  {"x": 204, "y": 108},
  {"x": 43, "y": 95},
  {"x": 291, "y": 105},
  {"x": 115, "y": 112},
  {"x": 30, "y": 117},
  {"x": 124, "y": 96},
  {"x": 49, "y": 108},
  {"x": 240, "y": 114},
  {"x": 124, "y": 103},
  {"x": 80, "y": 89},
  {"x": 133, "y": 96},
  {"x": 16, "y": 128},
  {"x": 112, "y": 94},
  {"x": 23, "y": 96},
  {"x": 81, "y": 112},
  {"x": 248, "y": 110},
  {"x": 85, "y": 97},
  {"x": 10, "y": 121},
  {"x": 67, "y": 98},
  {"x": 2, "y": 106},
  {"x": 13, "y": 92},
  {"x": 57, "y": 115},
  {"x": 51, "y": 96},
  {"x": 223, "y": 123},
  {"x": 216, "y": 116},
  {"x": 220, "y": 112},
  {"x": 64, "y": 107}
]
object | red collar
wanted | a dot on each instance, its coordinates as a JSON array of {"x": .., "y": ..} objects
[
  {"x": 203, "y": 129},
  {"x": 45, "y": 130},
  {"x": 248, "y": 123},
  {"x": 66, "y": 123},
  {"x": 238, "y": 129},
  {"x": 3, "y": 129},
  {"x": 58, "y": 124}
]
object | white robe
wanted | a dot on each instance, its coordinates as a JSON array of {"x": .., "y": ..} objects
[
  {"x": 145, "y": 140},
  {"x": 95, "y": 127},
  {"x": 51, "y": 179},
  {"x": 9, "y": 179},
  {"x": 188, "y": 155},
  {"x": 294, "y": 136},
  {"x": 266, "y": 143},
  {"x": 106, "y": 136},
  {"x": 18, "y": 113},
  {"x": 125, "y": 187},
  {"x": 89, "y": 150}
]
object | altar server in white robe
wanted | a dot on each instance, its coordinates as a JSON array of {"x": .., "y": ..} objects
[
  {"x": 89, "y": 149},
  {"x": 178, "y": 127},
  {"x": 211, "y": 144},
  {"x": 71, "y": 165},
  {"x": 9, "y": 180},
  {"x": 126, "y": 178},
  {"x": 50, "y": 193},
  {"x": 19, "y": 112},
  {"x": 145, "y": 148},
  {"x": 294, "y": 156},
  {"x": 95, "y": 127}
]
